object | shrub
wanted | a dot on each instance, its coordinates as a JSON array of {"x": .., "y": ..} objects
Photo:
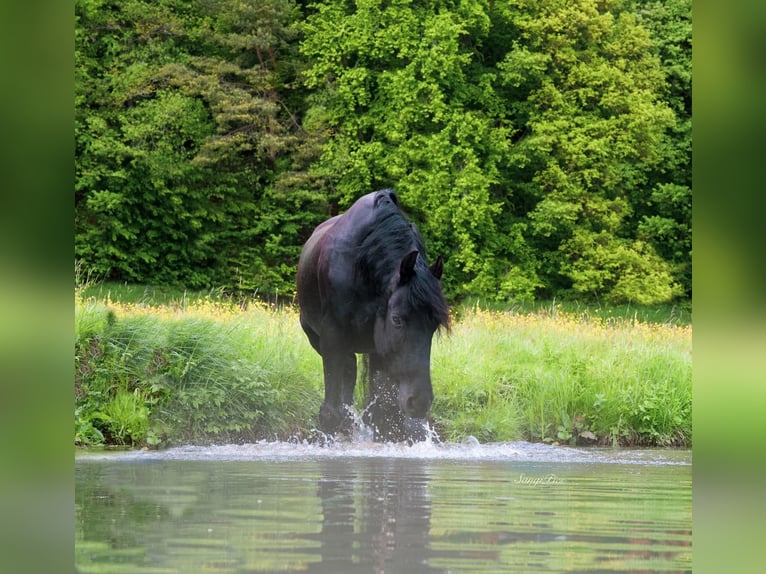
[{"x": 147, "y": 375}]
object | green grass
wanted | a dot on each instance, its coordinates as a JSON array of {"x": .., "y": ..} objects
[
  {"x": 675, "y": 313},
  {"x": 162, "y": 294},
  {"x": 204, "y": 371},
  {"x": 557, "y": 377},
  {"x": 157, "y": 366}
]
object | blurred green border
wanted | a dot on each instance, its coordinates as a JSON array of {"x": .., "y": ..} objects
[
  {"x": 36, "y": 316},
  {"x": 36, "y": 247},
  {"x": 729, "y": 91}
]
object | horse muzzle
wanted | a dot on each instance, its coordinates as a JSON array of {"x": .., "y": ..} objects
[{"x": 415, "y": 403}]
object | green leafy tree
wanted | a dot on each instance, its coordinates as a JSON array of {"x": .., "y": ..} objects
[
  {"x": 662, "y": 214},
  {"x": 594, "y": 130},
  {"x": 542, "y": 146},
  {"x": 396, "y": 88},
  {"x": 181, "y": 125},
  {"x": 139, "y": 208},
  {"x": 520, "y": 133}
]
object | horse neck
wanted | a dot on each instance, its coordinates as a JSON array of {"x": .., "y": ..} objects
[{"x": 383, "y": 248}]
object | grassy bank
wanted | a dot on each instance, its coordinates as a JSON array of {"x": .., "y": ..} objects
[
  {"x": 205, "y": 368},
  {"x": 190, "y": 371},
  {"x": 561, "y": 377}
]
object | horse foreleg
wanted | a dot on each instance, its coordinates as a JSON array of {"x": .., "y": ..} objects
[
  {"x": 349, "y": 380},
  {"x": 339, "y": 380}
]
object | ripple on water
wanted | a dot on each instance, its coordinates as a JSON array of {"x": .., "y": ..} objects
[{"x": 468, "y": 450}]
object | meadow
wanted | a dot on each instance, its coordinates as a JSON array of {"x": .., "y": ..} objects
[{"x": 158, "y": 368}]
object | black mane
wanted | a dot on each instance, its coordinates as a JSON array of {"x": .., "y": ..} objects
[{"x": 380, "y": 253}]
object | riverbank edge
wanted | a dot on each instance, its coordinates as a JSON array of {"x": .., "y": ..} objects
[{"x": 209, "y": 372}]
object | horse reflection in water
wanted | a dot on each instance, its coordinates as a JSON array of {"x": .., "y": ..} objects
[
  {"x": 376, "y": 517},
  {"x": 364, "y": 285}
]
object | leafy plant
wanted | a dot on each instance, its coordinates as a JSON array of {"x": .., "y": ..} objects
[
  {"x": 125, "y": 419},
  {"x": 85, "y": 432}
]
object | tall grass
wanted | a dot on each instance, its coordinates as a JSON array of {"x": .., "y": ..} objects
[
  {"x": 557, "y": 376},
  {"x": 204, "y": 370},
  {"x": 208, "y": 368}
]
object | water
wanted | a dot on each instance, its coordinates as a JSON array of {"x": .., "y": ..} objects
[{"x": 367, "y": 507}]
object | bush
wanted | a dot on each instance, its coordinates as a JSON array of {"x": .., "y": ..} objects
[{"x": 208, "y": 372}]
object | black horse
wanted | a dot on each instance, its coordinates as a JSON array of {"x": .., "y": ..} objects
[{"x": 364, "y": 286}]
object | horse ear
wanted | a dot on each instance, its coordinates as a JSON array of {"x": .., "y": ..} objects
[
  {"x": 438, "y": 267},
  {"x": 407, "y": 267}
]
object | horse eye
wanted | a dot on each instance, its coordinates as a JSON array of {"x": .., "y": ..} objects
[{"x": 397, "y": 320}]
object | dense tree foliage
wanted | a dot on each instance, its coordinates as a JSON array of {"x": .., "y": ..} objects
[
  {"x": 543, "y": 146},
  {"x": 181, "y": 123}
]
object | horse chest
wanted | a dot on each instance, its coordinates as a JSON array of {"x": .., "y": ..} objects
[{"x": 356, "y": 323}]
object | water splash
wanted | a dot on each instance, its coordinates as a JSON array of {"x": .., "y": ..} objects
[
  {"x": 469, "y": 449},
  {"x": 417, "y": 430},
  {"x": 361, "y": 432}
]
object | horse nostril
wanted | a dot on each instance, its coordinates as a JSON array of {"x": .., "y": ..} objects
[{"x": 410, "y": 405}]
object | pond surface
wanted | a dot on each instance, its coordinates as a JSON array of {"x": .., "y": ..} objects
[{"x": 364, "y": 507}]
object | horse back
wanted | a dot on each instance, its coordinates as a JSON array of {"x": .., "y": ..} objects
[{"x": 328, "y": 288}]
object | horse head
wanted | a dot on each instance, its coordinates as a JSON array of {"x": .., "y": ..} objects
[{"x": 404, "y": 327}]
